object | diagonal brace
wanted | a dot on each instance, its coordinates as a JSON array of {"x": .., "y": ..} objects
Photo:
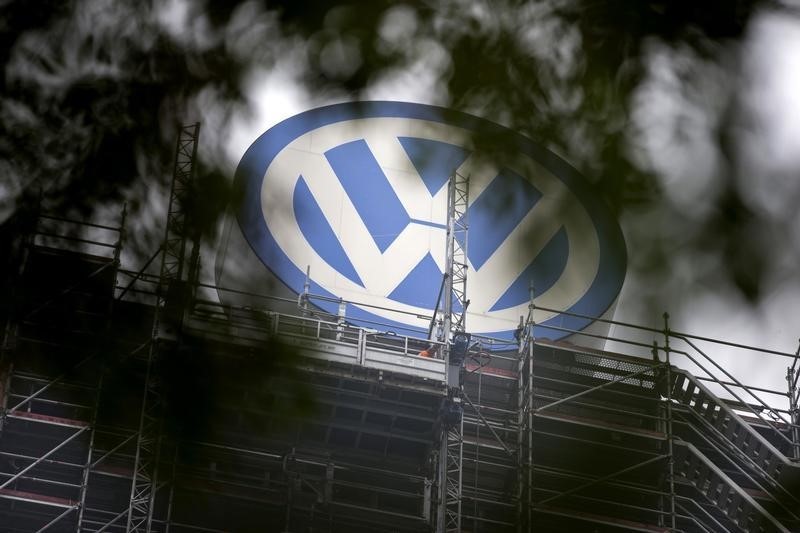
[
  {"x": 56, "y": 380},
  {"x": 57, "y": 519},
  {"x": 113, "y": 521},
  {"x": 602, "y": 479},
  {"x": 52, "y": 382},
  {"x": 42, "y": 458},
  {"x": 139, "y": 273},
  {"x": 486, "y": 423},
  {"x": 123, "y": 513},
  {"x": 596, "y": 388},
  {"x": 112, "y": 450}
]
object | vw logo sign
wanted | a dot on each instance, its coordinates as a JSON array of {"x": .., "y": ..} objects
[{"x": 358, "y": 193}]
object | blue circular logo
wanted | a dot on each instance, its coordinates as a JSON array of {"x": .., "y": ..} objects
[{"x": 358, "y": 193}]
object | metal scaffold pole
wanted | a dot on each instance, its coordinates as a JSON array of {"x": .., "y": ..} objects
[
  {"x": 90, "y": 461},
  {"x": 449, "y": 471},
  {"x": 166, "y": 330},
  {"x": 525, "y": 405},
  {"x": 87, "y": 469},
  {"x": 792, "y": 375},
  {"x": 670, "y": 434},
  {"x": 44, "y": 393},
  {"x": 6, "y": 349}
]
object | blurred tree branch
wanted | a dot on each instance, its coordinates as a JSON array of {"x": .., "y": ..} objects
[{"x": 92, "y": 92}]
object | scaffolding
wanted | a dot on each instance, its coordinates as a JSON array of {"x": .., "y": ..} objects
[
  {"x": 525, "y": 407},
  {"x": 547, "y": 436},
  {"x": 456, "y": 344},
  {"x": 168, "y": 314},
  {"x": 681, "y": 451},
  {"x": 53, "y": 360}
]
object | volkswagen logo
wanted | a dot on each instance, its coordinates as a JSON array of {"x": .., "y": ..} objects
[{"x": 357, "y": 192}]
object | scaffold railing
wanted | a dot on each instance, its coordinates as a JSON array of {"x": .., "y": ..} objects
[
  {"x": 747, "y": 398},
  {"x": 743, "y": 398},
  {"x": 708, "y": 435},
  {"x": 766, "y": 461}
]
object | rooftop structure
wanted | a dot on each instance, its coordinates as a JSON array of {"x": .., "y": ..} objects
[{"x": 133, "y": 402}]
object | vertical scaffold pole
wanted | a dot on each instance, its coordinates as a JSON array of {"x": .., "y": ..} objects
[
  {"x": 521, "y": 522},
  {"x": 455, "y": 304},
  {"x": 449, "y": 471},
  {"x": 670, "y": 440},
  {"x": 792, "y": 375},
  {"x": 525, "y": 407},
  {"x": 169, "y": 294},
  {"x": 7, "y": 345},
  {"x": 5, "y": 381},
  {"x": 87, "y": 468}
]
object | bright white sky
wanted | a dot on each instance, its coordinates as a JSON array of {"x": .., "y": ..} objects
[{"x": 771, "y": 74}]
